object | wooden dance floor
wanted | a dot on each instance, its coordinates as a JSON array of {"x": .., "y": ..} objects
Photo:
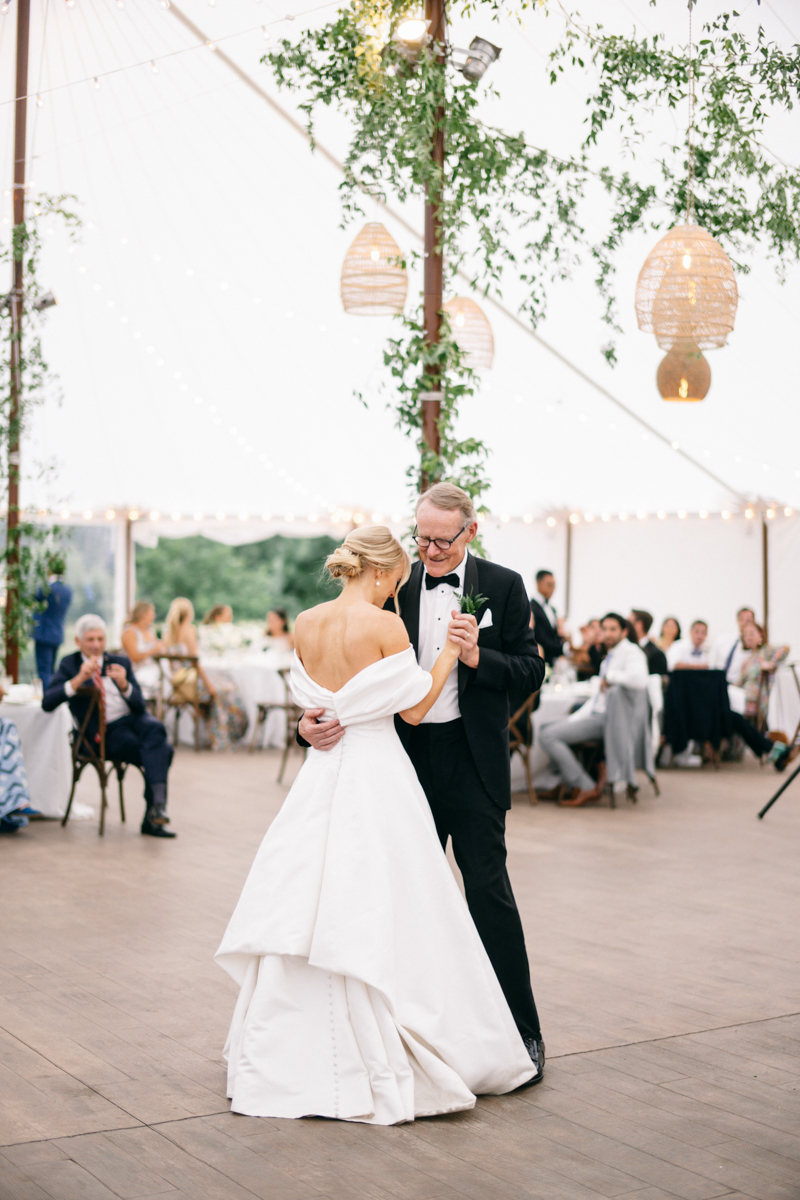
[{"x": 663, "y": 940}]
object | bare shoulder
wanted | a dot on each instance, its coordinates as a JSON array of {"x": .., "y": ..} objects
[{"x": 393, "y": 633}]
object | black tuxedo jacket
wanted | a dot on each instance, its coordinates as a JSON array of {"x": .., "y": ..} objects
[
  {"x": 68, "y": 668},
  {"x": 656, "y": 659},
  {"x": 546, "y": 635},
  {"x": 509, "y": 662}
]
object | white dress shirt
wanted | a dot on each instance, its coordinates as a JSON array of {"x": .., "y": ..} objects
[
  {"x": 550, "y": 612},
  {"x": 626, "y": 666},
  {"x": 116, "y": 704},
  {"x": 435, "y": 609},
  {"x": 726, "y": 648},
  {"x": 684, "y": 652}
]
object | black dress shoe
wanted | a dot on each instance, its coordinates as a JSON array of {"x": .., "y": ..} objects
[
  {"x": 781, "y": 757},
  {"x": 156, "y": 830},
  {"x": 535, "y": 1047}
]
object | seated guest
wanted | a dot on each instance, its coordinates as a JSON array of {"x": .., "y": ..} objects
[
  {"x": 224, "y": 718},
  {"x": 548, "y": 628},
  {"x": 759, "y": 657},
  {"x": 642, "y": 622},
  {"x": 140, "y": 644},
  {"x": 691, "y": 655},
  {"x": 587, "y": 657},
  {"x": 132, "y": 735},
  {"x": 15, "y": 804},
  {"x": 728, "y": 652},
  {"x": 670, "y": 633},
  {"x": 218, "y": 614},
  {"x": 624, "y": 666},
  {"x": 776, "y": 752},
  {"x": 277, "y": 629},
  {"x": 48, "y": 622}
]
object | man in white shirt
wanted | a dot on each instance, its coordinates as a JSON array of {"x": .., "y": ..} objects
[
  {"x": 693, "y": 654},
  {"x": 624, "y": 666},
  {"x": 728, "y": 652}
]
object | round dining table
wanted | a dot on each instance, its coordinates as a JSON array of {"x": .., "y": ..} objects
[{"x": 255, "y": 674}]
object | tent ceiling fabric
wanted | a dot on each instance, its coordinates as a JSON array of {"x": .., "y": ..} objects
[{"x": 205, "y": 360}]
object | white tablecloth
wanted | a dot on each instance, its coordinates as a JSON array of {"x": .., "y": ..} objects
[
  {"x": 255, "y": 675},
  {"x": 45, "y": 748},
  {"x": 784, "y": 701}
]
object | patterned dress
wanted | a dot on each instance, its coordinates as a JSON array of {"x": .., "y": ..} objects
[
  {"x": 13, "y": 781},
  {"x": 756, "y": 698}
]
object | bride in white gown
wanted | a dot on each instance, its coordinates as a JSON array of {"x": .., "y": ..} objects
[{"x": 365, "y": 991}]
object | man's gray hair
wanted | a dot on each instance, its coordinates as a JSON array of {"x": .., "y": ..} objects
[
  {"x": 87, "y": 622},
  {"x": 449, "y": 498}
]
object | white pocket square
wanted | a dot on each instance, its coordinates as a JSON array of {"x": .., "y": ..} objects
[{"x": 486, "y": 620}]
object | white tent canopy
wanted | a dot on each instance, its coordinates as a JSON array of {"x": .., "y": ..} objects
[{"x": 208, "y": 368}]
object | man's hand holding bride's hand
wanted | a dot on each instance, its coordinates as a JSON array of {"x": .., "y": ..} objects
[
  {"x": 463, "y": 630},
  {"x": 322, "y": 735}
]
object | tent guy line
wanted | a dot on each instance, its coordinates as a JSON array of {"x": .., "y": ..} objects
[{"x": 396, "y": 216}]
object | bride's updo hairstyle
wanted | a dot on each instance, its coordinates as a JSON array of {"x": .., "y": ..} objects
[{"x": 374, "y": 546}]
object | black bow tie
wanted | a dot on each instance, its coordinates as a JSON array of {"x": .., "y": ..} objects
[{"x": 431, "y": 581}]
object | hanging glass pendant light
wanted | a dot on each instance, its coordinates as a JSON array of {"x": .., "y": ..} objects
[
  {"x": 471, "y": 331},
  {"x": 374, "y": 281},
  {"x": 684, "y": 374}
]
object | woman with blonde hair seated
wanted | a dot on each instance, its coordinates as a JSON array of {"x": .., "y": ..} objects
[
  {"x": 224, "y": 719},
  {"x": 365, "y": 991},
  {"x": 140, "y": 643}
]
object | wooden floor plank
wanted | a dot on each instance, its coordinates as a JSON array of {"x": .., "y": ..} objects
[{"x": 672, "y": 1024}]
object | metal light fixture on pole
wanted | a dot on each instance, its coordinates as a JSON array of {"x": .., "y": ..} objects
[
  {"x": 431, "y": 401},
  {"x": 15, "y": 392}
]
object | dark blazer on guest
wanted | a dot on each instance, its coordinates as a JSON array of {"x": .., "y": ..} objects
[
  {"x": 547, "y": 636},
  {"x": 68, "y": 668},
  {"x": 656, "y": 659},
  {"x": 509, "y": 662},
  {"x": 48, "y": 624}
]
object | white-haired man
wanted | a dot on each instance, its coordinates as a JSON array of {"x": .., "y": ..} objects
[
  {"x": 460, "y": 750},
  {"x": 132, "y": 735}
]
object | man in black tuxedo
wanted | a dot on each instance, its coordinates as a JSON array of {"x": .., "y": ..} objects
[
  {"x": 642, "y": 622},
  {"x": 460, "y": 751},
  {"x": 546, "y": 623},
  {"x": 132, "y": 735}
]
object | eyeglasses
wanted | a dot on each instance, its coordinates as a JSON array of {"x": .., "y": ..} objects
[{"x": 439, "y": 543}]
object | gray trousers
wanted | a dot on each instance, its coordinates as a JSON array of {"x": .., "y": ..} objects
[{"x": 556, "y": 739}]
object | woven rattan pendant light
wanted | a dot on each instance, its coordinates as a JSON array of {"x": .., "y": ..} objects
[
  {"x": 686, "y": 292},
  {"x": 374, "y": 283},
  {"x": 471, "y": 331},
  {"x": 684, "y": 374}
]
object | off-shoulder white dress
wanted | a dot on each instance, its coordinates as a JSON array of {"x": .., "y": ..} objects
[{"x": 366, "y": 993}]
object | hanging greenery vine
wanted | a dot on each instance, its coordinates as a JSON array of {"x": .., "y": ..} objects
[
  {"x": 509, "y": 206},
  {"x": 24, "y": 554}
]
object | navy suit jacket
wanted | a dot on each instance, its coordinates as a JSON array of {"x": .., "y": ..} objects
[
  {"x": 546, "y": 634},
  {"x": 48, "y": 624},
  {"x": 68, "y": 668},
  {"x": 509, "y": 662}
]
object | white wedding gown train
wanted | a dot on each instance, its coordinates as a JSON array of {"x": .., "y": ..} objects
[{"x": 365, "y": 991}]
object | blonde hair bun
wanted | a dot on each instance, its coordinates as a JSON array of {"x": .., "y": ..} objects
[
  {"x": 344, "y": 563},
  {"x": 372, "y": 546}
]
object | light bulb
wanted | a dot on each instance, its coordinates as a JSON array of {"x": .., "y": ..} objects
[
  {"x": 687, "y": 261},
  {"x": 70, "y": 3},
  {"x": 265, "y": 33},
  {"x": 39, "y": 102},
  {"x": 412, "y": 32},
  {"x": 164, "y": 3},
  {"x": 460, "y": 319},
  {"x": 4, "y": 7},
  {"x": 96, "y": 80},
  {"x": 374, "y": 253},
  {"x": 683, "y": 390},
  {"x": 154, "y": 68}
]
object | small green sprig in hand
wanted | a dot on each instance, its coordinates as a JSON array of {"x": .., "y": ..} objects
[{"x": 470, "y": 603}]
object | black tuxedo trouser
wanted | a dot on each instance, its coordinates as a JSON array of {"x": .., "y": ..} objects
[
  {"x": 141, "y": 740},
  {"x": 463, "y": 810}
]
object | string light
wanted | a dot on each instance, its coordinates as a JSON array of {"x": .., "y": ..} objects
[
  {"x": 96, "y": 80},
  {"x": 39, "y": 102},
  {"x": 154, "y": 68}
]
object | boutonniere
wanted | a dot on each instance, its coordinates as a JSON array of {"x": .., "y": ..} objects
[{"x": 469, "y": 603}]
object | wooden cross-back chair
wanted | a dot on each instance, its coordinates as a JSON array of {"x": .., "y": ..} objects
[
  {"x": 179, "y": 690},
  {"x": 293, "y": 714},
  {"x": 520, "y": 738},
  {"x": 86, "y": 752}
]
